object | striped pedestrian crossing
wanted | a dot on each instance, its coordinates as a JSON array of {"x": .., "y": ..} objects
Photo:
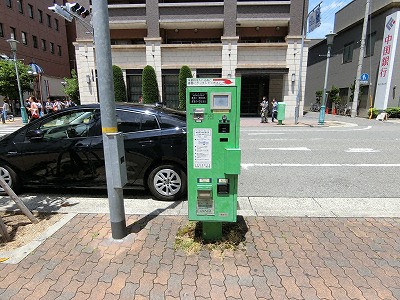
[{"x": 6, "y": 129}]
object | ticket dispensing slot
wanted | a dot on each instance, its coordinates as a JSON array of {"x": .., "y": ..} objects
[
  {"x": 205, "y": 202},
  {"x": 198, "y": 115},
  {"x": 223, "y": 186}
]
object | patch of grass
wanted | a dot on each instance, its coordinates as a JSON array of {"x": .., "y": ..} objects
[{"x": 189, "y": 237}]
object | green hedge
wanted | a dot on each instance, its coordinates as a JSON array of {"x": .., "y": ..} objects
[
  {"x": 150, "y": 90},
  {"x": 375, "y": 113},
  {"x": 184, "y": 73},
  {"x": 393, "y": 112},
  {"x": 119, "y": 84}
]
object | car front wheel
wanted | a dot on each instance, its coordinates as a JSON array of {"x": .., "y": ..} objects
[
  {"x": 9, "y": 176},
  {"x": 167, "y": 182}
]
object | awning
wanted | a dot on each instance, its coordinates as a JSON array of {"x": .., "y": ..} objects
[{"x": 36, "y": 69}]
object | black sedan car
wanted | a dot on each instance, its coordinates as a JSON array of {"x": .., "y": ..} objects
[{"x": 65, "y": 149}]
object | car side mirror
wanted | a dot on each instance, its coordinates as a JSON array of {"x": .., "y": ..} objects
[{"x": 35, "y": 135}]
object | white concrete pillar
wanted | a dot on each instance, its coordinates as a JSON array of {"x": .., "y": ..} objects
[
  {"x": 290, "y": 80},
  {"x": 86, "y": 70},
  {"x": 153, "y": 58},
  {"x": 229, "y": 56}
]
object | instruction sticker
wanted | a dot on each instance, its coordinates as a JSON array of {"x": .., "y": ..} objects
[{"x": 202, "y": 142}]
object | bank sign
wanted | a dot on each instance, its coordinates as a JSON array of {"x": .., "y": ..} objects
[{"x": 386, "y": 64}]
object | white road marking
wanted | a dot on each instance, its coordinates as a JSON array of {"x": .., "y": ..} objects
[
  {"x": 361, "y": 150},
  {"x": 262, "y": 133},
  {"x": 307, "y": 129},
  {"x": 251, "y": 165},
  {"x": 288, "y": 149},
  {"x": 274, "y": 139}
]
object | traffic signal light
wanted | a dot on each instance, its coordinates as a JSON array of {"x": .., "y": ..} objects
[
  {"x": 77, "y": 9},
  {"x": 59, "y": 10}
]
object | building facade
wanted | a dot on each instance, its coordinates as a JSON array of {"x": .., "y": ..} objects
[
  {"x": 42, "y": 41},
  {"x": 345, "y": 57},
  {"x": 258, "y": 41}
]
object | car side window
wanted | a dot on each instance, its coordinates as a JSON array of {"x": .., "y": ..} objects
[
  {"x": 69, "y": 125},
  {"x": 129, "y": 121},
  {"x": 149, "y": 122},
  {"x": 167, "y": 122}
]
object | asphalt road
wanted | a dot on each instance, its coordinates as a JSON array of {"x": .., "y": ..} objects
[
  {"x": 347, "y": 169},
  {"x": 358, "y": 159}
]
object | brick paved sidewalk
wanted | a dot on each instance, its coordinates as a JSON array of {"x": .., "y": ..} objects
[{"x": 284, "y": 258}]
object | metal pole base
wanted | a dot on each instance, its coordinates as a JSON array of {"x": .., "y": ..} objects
[
  {"x": 119, "y": 230},
  {"x": 321, "y": 120},
  {"x": 24, "y": 115},
  {"x": 212, "y": 231}
]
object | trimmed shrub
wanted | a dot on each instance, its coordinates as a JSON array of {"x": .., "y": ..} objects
[
  {"x": 150, "y": 90},
  {"x": 184, "y": 73},
  {"x": 393, "y": 112},
  {"x": 375, "y": 113},
  {"x": 119, "y": 84}
]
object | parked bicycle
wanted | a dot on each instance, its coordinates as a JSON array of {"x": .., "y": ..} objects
[
  {"x": 343, "y": 110},
  {"x": 10, "y": 117},
  {"x": 315, "y": 107}
]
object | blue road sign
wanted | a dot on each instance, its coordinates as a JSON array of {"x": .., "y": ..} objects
[{"x": 364, "y": 77}]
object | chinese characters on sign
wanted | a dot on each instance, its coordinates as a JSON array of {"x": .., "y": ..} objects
[
  {"x": 387, "y": 60},
  {"x": 385, "y": 55}
]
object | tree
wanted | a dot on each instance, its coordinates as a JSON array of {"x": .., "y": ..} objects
[
  {"x": 184, "y": 73},
  {"x": 150, "y": 90},
  {"x": 8, "y": 79},
  {"x": 72, "y": 87},
  {"x": 334, "y": 94},
  {"x": 119, "y": 84},
  {"x": 318, "y": 96}
]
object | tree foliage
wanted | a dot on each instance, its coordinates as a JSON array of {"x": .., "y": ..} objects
[
  {"x": 119, "y": 84},
  {"x": 184, "y": 73},
  {"x": 150, "y": 90},
  {"x": 334, "y": 94},
  {"x": 8, "y": 79},
  {"x": 72, "y": 87}
]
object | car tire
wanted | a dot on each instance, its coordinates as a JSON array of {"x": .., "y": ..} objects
[
  {"x": 10, "y": 177},
  {"x": 167, "y": 182}
]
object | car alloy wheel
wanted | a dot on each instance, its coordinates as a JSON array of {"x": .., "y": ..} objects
[
  {"x": 167, "y": 182},
  {"x": 7, "y": 177}
]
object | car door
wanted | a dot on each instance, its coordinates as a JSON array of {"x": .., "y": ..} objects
[
  {"x": 141, "y": 141},
  {"x": 56, "y": 151}
]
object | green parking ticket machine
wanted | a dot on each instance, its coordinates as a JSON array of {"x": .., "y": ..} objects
[
  {"x": 281, "y": 112},
  {"x": 213, "y": 119}
]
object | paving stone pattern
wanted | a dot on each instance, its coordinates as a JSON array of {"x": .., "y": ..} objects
[{"x": 284, "y": 258}]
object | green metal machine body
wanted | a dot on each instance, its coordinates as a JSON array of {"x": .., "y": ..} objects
[{"x": 213, "y": 126}]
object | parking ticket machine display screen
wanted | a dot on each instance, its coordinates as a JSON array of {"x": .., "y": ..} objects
[{"x": 221, "y": 101}]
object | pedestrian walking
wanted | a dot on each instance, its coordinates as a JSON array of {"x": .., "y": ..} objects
[
  {"x": 33, "y": 108},
  {"x": 264, "y": 110},
  {"x": 48, "y": 106},
  {"x": 274, "y": 109},
  {"x": 5, "y": 110}
]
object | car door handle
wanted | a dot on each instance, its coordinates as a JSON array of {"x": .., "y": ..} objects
[
  {"x": 147, "y": 142},
  {"x": 82, "y": 145}
]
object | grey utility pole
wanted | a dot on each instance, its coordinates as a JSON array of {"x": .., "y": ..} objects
[
  {"x": 114, "y": 154},
  {"x": 360, "y": 62}
]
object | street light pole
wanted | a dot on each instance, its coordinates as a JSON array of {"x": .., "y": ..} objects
[
  {"x": 329, "y": 41},
  {"x": 13, "y": 45}
]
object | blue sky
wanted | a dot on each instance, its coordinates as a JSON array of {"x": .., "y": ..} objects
[{"x": 328, "y": 10}]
